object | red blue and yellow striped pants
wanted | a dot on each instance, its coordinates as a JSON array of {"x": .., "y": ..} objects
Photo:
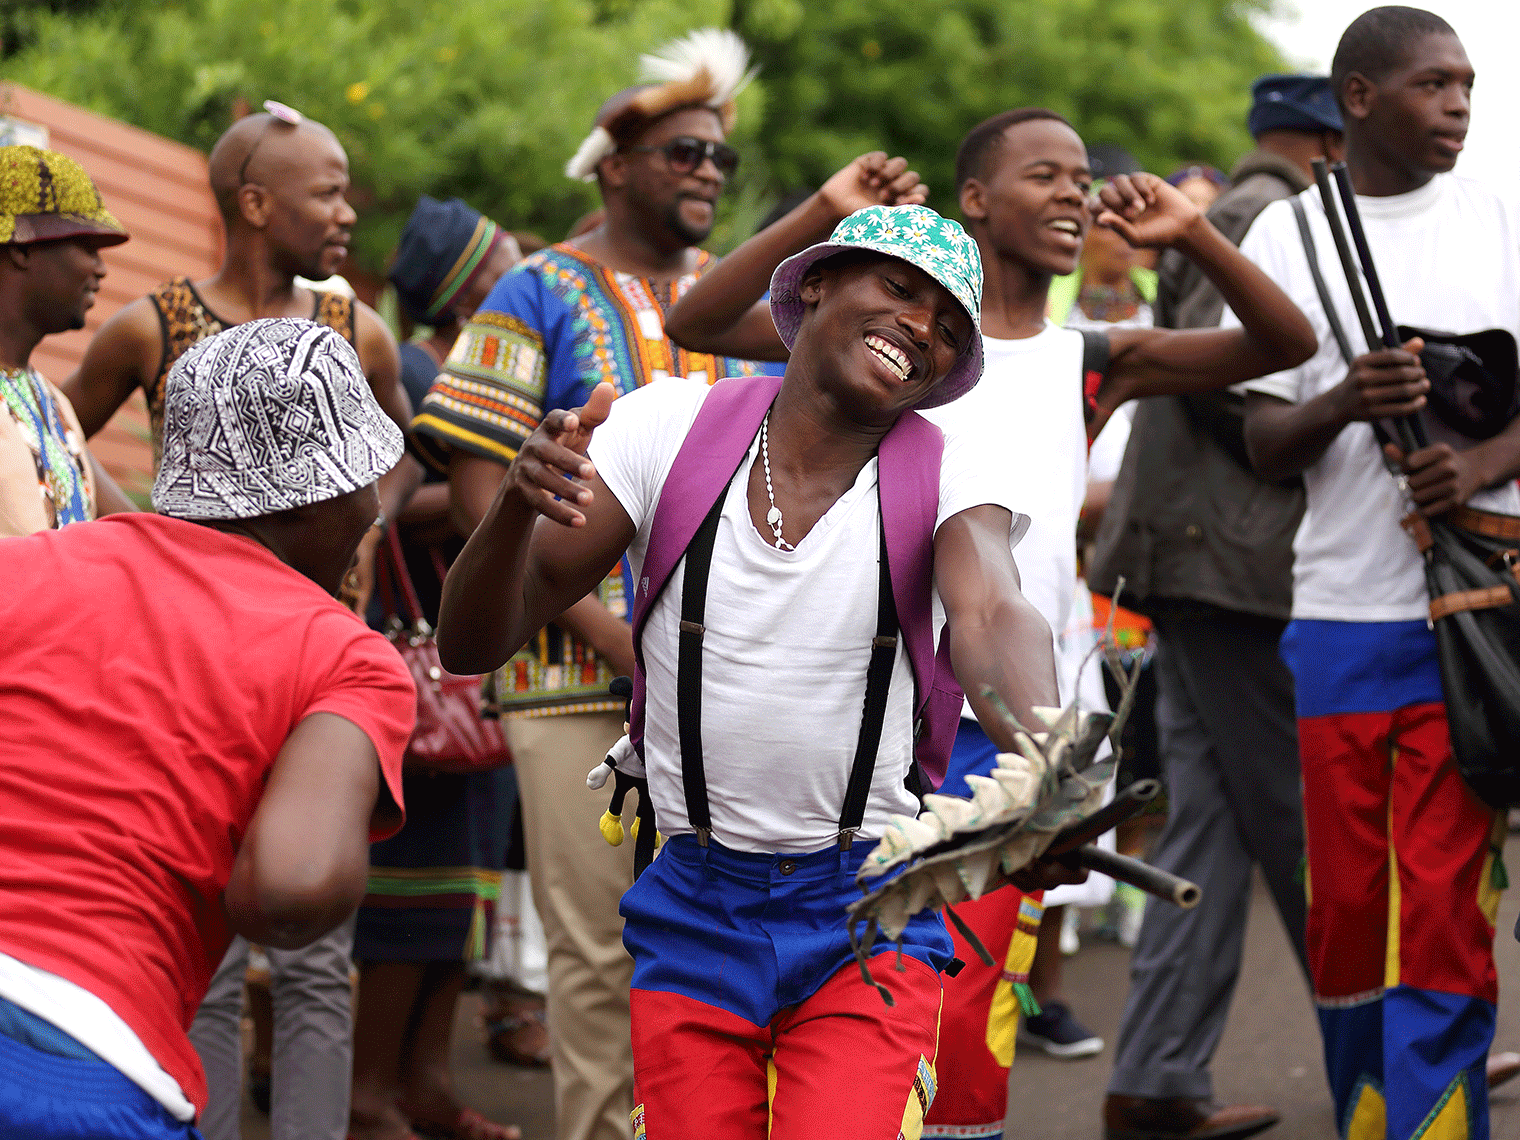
[{"x": 1403, "y": 883}]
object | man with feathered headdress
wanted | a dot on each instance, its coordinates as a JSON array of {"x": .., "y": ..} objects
[{"x": 583, "y": 311}]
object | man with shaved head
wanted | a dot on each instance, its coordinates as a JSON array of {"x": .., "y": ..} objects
[{"x": 280, "y": 181}]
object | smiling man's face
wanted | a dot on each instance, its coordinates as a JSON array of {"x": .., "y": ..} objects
[
  {"x": 883, "y": 333},
  {"x": 1032, "y": 204}
]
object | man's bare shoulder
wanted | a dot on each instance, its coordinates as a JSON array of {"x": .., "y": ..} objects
[
  {"x": 136, "y": 321},
  {"x": 368, "y": 324},
  {"x": 128, "y": 347},
  {"x": 381, "y": 360}
]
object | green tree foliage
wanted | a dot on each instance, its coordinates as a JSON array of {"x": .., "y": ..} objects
[
  {"x": 1168, "y": 80},
  {"x": 486, "y": 99},
  {"x": 19, "y": 19}
]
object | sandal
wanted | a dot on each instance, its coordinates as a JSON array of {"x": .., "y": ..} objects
[
  {"x": 468, "y": 1125},
  {"x": 519, "y": 1038}
]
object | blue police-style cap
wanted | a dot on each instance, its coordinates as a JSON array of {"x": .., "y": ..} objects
[{"x": 1293, "y": 103}]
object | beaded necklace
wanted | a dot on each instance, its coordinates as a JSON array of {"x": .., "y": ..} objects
[
  {"x": 56, "y": 451},
  {"x": 1109, "y": 303}
]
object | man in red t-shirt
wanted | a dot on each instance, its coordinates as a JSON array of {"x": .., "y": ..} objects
[{"x": 200, "y": 740}]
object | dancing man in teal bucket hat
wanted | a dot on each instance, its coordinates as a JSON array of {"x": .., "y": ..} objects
[{"x": 803, "y": 548}]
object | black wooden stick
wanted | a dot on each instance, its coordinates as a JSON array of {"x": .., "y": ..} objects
[
  {"x": 1343, "y": 249},
  {"x": 1125, "y": 804},
  {"x": 1364, "y": 253},
  {"x": 1411, "y": 431}
]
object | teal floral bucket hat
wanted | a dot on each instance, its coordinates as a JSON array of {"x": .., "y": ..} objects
[{"x": 915, "y": 234}]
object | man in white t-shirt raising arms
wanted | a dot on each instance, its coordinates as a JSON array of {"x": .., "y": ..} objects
[
  {"x": 749, "y": 1015},
  {"x": 1024, "y": 184},
  {"x": 1403, "y": 857}
]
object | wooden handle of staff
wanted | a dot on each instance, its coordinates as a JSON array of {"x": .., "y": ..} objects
[
  {"x": 1151, "y": 880},
  {"x": 1124, "y": 805}
]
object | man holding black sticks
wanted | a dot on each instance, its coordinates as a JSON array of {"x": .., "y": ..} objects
[{"x": 1403, "y": 858}]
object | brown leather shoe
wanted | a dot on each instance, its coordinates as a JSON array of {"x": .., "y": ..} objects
[
  {"x": 1502, "y": 1068},
  {"x": 1181, "y": 1118}
]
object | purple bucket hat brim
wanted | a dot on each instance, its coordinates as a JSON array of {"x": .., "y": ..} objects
[{"x": 787, "y": 309}]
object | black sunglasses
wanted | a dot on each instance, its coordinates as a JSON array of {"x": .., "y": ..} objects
[{"x": 685, "y": 154}]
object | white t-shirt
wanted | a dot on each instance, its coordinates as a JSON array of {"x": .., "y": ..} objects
[
  {"x": 95, "y": 1025},
  {"x": 787, "y": 644},
  {"x": 1448, "y": 256},
  {"x": 1027, "y": 412}
]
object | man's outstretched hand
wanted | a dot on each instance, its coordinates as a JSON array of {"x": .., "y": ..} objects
[
  {"x": 1145, "y": 210},
  {"x": 873, "y": 180},
  {"x": 551, "y": 471}
]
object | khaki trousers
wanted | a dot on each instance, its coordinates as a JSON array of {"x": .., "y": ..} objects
[{"x": 577, "y": 881}]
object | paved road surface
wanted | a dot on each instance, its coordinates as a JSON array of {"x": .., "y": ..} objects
[{"x": 1270, "y": 1053}]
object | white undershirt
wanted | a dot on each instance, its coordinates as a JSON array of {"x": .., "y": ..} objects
[
  {"x": 95, "y": 1025},
  {"x": 1027, "y": 413},
  {"x": 787, "y": 642}
]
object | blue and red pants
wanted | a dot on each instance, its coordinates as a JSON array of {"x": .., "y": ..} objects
[
  {"x": 1402, "y": 884},
  {"x": 750, "y": 1018}
]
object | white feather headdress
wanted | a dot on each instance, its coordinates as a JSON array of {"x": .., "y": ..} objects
[{"x": 705, "y": 68}]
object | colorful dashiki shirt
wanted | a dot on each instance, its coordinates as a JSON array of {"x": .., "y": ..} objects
[
  {"x": 43, "y": 467},
  {"x": 552, "y": 329}
]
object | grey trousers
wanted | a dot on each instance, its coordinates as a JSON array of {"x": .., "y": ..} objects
[
  {"x": 577, "y": 882},
  {"x": 1229, "y": 747},
  {"x": 312, "y": 1062}
]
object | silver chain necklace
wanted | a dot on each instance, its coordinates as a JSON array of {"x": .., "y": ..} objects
[{"x": 773, "y": 516}]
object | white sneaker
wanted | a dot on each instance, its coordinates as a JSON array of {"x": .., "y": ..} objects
[{"x": 1071, "y": 942}]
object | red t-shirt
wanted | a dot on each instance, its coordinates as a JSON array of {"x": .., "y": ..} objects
[{"x": 151, "y": 671}]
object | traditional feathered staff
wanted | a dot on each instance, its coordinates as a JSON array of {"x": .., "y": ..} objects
[{"x": 1042, "y": 800}]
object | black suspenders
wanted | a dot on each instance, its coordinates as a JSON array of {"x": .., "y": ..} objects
[
  {"x": 878, "y": 681},
  {"x": 689, "y": 669},
  {"x": 689, "y": 684}
]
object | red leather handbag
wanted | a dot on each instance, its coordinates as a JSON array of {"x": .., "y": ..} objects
[{"x": 450, "y": 736}]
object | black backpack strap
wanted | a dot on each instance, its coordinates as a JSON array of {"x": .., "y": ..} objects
[
  {"x": 1096, "y": 354},
  {"x": 1337, "y": 330},
  {"x": 878, "y": 683},
  {"x": 689, "y": 669}
]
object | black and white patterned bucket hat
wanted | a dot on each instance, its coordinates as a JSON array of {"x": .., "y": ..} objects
[{"x": 267, "y": 416}]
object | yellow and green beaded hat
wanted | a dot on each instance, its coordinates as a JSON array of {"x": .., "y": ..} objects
[{"x": 45, "y": 196}]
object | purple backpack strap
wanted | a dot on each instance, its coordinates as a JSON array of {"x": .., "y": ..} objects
[
  {"x": 718, "y": 440},
  {"x": 908, "y": 482}
]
